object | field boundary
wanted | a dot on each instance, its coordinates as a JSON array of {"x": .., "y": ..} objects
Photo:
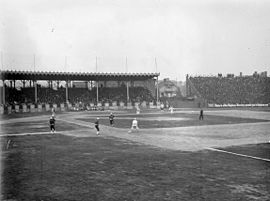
[
  {"x": 78, "y": 123},
  {"x": 22, "y": 134},
  {"x": 40, "y": 133},
  {"x": 242, "y": 155}
]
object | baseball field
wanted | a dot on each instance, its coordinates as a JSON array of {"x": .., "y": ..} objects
[{"x": 225, "y": 156}]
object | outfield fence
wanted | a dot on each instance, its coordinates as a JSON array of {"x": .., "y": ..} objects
[{"x": 237, "y": 105}]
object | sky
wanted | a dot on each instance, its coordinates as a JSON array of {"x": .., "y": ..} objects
[{"x": 195, "y": 37}]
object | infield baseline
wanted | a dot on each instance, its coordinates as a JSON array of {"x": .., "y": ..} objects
[{"x": 242, "y": 155}]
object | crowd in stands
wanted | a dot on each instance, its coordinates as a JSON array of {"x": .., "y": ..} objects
[
  {"x": 233, "y": 90},
  {"x": 51, "y": 96},
  {"x": 76, "y": 95},
  {"x": 14, "y": 96}
]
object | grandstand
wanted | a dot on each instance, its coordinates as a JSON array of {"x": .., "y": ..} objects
[
  {"x": 254, "y": 89},
  {"x": 23, "y": 88}
]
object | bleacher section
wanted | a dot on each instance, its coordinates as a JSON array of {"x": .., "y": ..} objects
[{"x": 232, "y": 90}]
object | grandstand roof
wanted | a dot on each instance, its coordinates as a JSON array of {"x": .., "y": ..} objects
[{"x": 42, "y": 75}]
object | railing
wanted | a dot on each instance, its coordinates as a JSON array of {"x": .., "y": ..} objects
[{"x": 23, "y": 108}]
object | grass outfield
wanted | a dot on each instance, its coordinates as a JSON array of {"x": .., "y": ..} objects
[
  {"x": 57, "y": 167},
  {"x": 167, "y": 120}
]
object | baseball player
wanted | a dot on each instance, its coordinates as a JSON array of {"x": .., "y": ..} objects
[
  {"x": 52, "y": 124},
  {"x": 53, "y": 112},
  {"x": 97, "y": 125},
  {"x": 171, "y": 109},
  {"x": 134, "y": 125},
  {"x": 138, "y": 110},
  {"x": 201, "y": 115},
  {"x": 111, "y": 118}
]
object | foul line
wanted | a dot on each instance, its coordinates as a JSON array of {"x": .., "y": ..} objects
[
  {"x": 22, "y": 134},
  {"x": 80, "y": 124},
  {"x": 246, "y": 156},
  {"x": 39, "y": 133}
]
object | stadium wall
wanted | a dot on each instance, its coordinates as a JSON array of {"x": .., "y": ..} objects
[
  {"x": 29, "y": 108},
  {"x": 236, "y": 105}
]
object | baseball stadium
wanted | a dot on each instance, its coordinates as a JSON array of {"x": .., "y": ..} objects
[{"x": 207, "y": 140}]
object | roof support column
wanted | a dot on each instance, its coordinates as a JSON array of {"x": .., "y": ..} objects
[
  {"x": 67, "y": 91},
  {"x": 97, "y": 83},
  {"x": 187, "y": 86},
  {"x": 3, "y": 95},
  {"x": 23, "y": 83},
  {"x": 58, "y": 84},
  {"x": 127, "y": 92},
  {"x": 157, "y": 91},
  {"x": 35, "y": 83}
]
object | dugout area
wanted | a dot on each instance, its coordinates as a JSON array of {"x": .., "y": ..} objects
[{"x": 166, "y": 162}]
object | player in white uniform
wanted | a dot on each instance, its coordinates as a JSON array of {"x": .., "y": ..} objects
[
  {"x": 162, "y": 107},
  {"x": 171, "y": 109},
  {"x": 53, "y": 112},
  {"x": 134, "y": 125},
  {"x": 138, "y": 110}
]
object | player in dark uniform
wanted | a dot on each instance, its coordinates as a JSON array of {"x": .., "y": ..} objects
[
  {"x": 52, "y": 124},
  {"x": 201, "y": 115},
  {"x": 97, "y": 125},
  {"x": 111, "y": 118}
]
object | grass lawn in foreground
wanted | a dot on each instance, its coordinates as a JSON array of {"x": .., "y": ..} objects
[{"x": 57, "y": 167}]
